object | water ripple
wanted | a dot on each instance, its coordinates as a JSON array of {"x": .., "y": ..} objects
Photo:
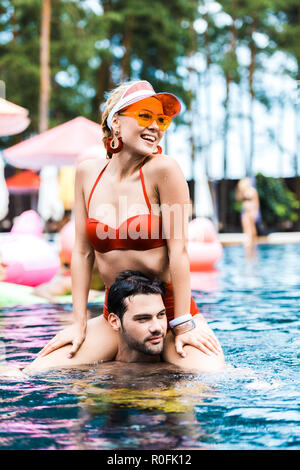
[{"x": 254, "y": 310}]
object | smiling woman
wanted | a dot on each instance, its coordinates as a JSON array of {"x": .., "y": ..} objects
[{"x": 152, "y": 240}]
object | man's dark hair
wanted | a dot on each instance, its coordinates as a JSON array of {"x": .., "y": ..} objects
[{"x": 129, "y": 283}]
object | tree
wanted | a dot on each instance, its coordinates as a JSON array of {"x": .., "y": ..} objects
[
  {"x": 146, "y": 40},
  {"x": 253, "y": 17},
  {"x": 277, "y": 202},
  {"x": 45, "y": 71},
  {"x": 288, "y": 39},
  {"x": 20, "y": 60},
  {"x": 19, "y": 55},
  {"x": 91, "y": 52}
]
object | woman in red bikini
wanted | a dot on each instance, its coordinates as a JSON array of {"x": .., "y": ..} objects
[{"x": 131, "y": 213}]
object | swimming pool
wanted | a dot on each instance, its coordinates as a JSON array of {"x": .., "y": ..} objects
[{"x": 252, "y": 305}]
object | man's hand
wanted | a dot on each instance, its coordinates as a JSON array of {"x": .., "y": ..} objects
[
  {"x": 201, "y": 337},
  {"x": 74, "y": 334}
]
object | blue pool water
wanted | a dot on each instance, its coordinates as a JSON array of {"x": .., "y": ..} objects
[{"x": 253, "y": 307}]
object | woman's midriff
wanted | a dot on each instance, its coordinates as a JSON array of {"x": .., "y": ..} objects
[
  {"x": 250, "y": 208},
  {"x": 153, "y": 263}
]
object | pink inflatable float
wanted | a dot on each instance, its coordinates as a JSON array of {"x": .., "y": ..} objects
[
  {"x": 204, "y": 248},
  {"x": 28, "y": 222},
  {"x": 66, "y": 241},
  {"x": 28, "y": 258}
]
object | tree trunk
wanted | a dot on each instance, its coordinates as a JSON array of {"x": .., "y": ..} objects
[
  {"x": 104, "y": 80},
  {"x": 242, "y": 128},
  {"x": 126, "y": 59},
  {"x": 194, "y": 122},
  {"x": 207, "y": 97},
  {"x": 209, "y": 120},
  {"x": 45, "y": 68},
  {"x": 297, "y": 111},
  {"x": 297, "y": 133},
  {"x": 280, "y": 120},
  {"x": 252, "y": 98},
  {"x": 228, "y": 79},
  {"x": 226, "y": 126}
]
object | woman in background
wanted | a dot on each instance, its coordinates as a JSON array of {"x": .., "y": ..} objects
[{"x": 247, "y": 194}]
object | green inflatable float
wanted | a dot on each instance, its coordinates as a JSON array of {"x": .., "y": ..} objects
[{"x": 15, "y": 294}]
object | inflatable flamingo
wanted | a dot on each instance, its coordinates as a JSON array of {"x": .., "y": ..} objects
[
  {"x": 204, "y": 248},
  {"x": 28, "y": 258}
]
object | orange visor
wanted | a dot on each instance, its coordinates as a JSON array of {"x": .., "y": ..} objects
[
  {"x": 146, "y": 111},
  {"x": 140, "y": 90}
]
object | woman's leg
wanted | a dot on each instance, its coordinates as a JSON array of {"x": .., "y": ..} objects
[
  {"x": 247, "y": 228},
  {"x": 253, "y": 224},
  {"x": 99, "y": 345}
]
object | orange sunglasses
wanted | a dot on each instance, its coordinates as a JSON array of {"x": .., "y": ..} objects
[{"x": 145, "y": 118}]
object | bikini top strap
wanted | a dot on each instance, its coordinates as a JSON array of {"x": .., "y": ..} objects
[
  {"x": 144, "y": 190},
  {"x": 95, "y": 184}
]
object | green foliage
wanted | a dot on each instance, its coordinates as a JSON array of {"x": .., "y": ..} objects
[
  {"x": 90, "y": 52},
  {"x": 236, "y": 205},
  {"x": 277, "y": 202},
  {"x": 20, "y": 58},
  {"x": 288, "y": 36},
  {"x": 148, "y": 40}
]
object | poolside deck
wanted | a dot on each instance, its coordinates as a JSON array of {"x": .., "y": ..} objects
[
  {"x": 229, "y": 238},
  {"x": 272, "y": 238}
]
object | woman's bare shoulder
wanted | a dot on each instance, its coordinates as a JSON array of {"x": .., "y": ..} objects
[
  {"x": 252, "y": 191},
  {"x": 163, "y": 165},
  {"x": 90, "y": 168}
]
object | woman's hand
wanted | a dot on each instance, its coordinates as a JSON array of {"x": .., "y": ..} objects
[
  {"x": 74, "y": 334},
  {"x": 201, "y": 337}
]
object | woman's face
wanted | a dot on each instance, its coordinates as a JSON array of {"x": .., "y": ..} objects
[{"x": 137, "y": 138}]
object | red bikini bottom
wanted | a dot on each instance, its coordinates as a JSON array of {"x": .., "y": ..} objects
[{"x": 168, "y": 301}]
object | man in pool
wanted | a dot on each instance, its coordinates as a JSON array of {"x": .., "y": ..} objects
[{"x": 137, "y": 315}]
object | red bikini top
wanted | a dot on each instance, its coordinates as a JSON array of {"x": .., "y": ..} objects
[{"x": 140, "y": 232}]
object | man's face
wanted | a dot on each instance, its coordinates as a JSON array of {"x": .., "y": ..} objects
[{"x": 144, "y": 324}]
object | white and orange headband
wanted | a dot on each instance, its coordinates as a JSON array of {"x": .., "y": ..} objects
[{"x": 139, "y": 91}]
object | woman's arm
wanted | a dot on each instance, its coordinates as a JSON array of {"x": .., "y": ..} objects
[
  {"x": 238, "y": 194},
  {"x": 81, "y": 269},
  {"x": 256, "y": 198},
  {"x": 82, "y": 263},
  {"x": 174, "y": 200},
  {"x": 175, "y": 208}
]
